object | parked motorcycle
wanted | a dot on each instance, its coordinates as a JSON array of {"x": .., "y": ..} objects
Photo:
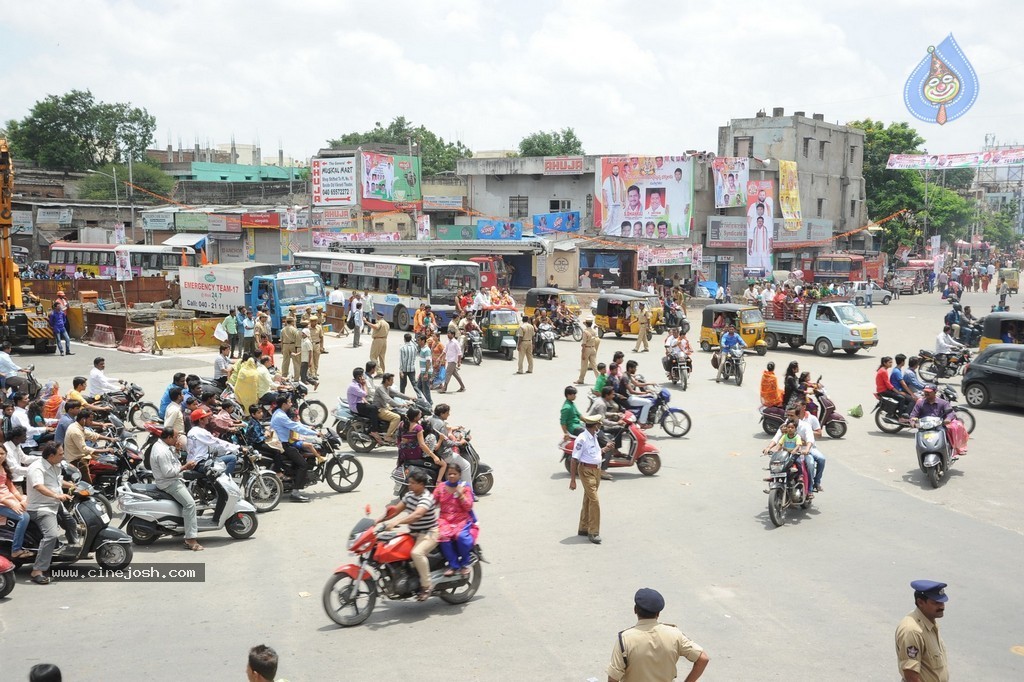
[
  {"x": 544, "y": 344},
  {"x": 357, "y": 430},
  {"x": 639, "y": 451},
  {"x": 785, "y": 486},
  {"x": 678, "y": 369},
  {"x": 889, "y": 419},
  {"x": 830, "y": 419},
  {"x": 735, "y": 365},
  {"x": 934, "y": 452},
  {"x": 932, "y": 369},
  {"x": 385, "y": 569},
  {"x": 481, "y": 474},
  {"x": 128, "y": 406}
]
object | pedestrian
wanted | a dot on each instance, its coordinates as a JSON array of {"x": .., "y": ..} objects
[
  {"x": 59, "y": 325},
  {"x": 355, "y": 322},
  {"x": 586, "y": 463},
  {"x": 453, "y": 361},
  {"x": 230, "y": 324},
  {"x": 407, "y": 363},
  {"x": 316, "y": 338},
  {"x": 920, "y": 653},
  {"x": 379, "y": 339},
  {"x": 426, "y": 367},
  {"x": 291, "y": 340},
  {"x": 650, "y": 650},
  {"x": 249, "y": 333},
  {"x": 525, "y": 336},
  {"x": 869, "y": 290},
  {"x": 588, "y": 351},
  {"x": 644, "y": 323},
  {"x": 262, "y": 665}
]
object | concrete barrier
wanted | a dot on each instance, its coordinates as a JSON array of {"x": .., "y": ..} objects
[
  {"x": 103, "y": 336},
  {"x": 132, "y": 342}
]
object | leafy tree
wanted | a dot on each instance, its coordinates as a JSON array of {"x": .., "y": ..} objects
[
  {"x": 436, "y": 155},
  {"x": 1000, "y": 227},
  {"x": 145, "y": 175},
  {"x": 888, "y": 191},
  {"x": 551, "y": 143}
]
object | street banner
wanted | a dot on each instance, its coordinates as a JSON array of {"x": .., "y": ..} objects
[
  {"x": 323, "y": 239},
  {"x": 423, "y": 227},
  {"x": 389, "y": 180},
  {"x": 565, "y": 221},
  {"x": 789, "y": 196},
  {"x": 644, "y": 196},
  {"x": 760, "y": 225},
  {"x": 333, "y": 181},
  {"x": 122, "y": 263},
  {"x": 994, "y": 158},
  {"x": 731, "y": 177}
]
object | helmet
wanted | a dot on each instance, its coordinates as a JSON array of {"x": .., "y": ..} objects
[{"x": 957, "y": 307}]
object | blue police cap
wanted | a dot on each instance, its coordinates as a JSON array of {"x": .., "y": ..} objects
[
  {"x": 649, "y": 600},
  {"x": 930, "y": 589}
]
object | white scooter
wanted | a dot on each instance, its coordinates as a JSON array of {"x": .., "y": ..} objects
[{"x": 150, "y": 512}]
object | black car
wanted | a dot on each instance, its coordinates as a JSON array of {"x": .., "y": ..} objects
[{"x": 995, "y": 375}]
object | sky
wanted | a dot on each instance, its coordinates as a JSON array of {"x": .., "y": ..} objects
[{"x": 647, "y": 77}]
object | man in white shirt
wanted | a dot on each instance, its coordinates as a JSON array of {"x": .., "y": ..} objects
[
  {"x": 481, "y": 300},
  {"x": 202, "y": 445},
  {"x": 167, "y": 468},
  {"x": 453, "y": 358},
  {"x": 20, "y": 418},
  {"x": 9, "y": 371},
  {"x": 337, "y": 296},
  {"x": 99, "y": 383},
  {"x": 655, "y": 208},
  {"x": 944, "y": 342},
  {"x": 45, "y": 493},
  {"x": 174, "y": 418},
  {"x": 805, "y": 432},
  {"x": 586, "y": 463}
]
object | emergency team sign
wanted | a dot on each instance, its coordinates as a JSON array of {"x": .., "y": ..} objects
[
  {"x": 334, "y": 181},
  {"x": 211, "y": 289}
]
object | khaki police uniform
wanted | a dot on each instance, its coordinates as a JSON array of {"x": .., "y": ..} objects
[
  {"x": 316, "y": 337},
  {"x": 919, "y": 648},
  {"x": 379, "y": 342},
  {"x": 588, "y": 353},
  {"x": 291, "y": 340},
  {"x": 526, "y": 333},
  {"x": 645, "y": 326},
  {"x": 649, "y": 650}
]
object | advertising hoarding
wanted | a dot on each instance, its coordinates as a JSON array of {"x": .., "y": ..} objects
[
  {"x": 333, "y": 181},
  {"x": 653, "y": 194}
]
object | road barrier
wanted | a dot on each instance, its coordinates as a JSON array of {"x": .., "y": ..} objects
[
  {"x": 132, "y": 342},
  {"x": 103, "y": 336}
]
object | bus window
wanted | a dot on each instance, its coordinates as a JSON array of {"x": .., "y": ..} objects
[
  {"x": 106, "y": 258},
  {"x": 419, "y": 285},
  {"x": 403, "y": 287},
  {"x": 58, "y": 257},
  {"x": 136, "y": 260}
]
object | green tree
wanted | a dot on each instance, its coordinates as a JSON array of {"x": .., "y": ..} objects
[
  {"x": 75, "y": 132},
  {"x": 1000, "y": 227},
  {"x": 436, "y": 154},
  {"x": 145, "y": 175},
  {"x": 888, "y": 191},
  {"x": 551, "y": 143}
]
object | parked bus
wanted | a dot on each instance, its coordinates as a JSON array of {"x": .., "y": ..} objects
[
  {"x": 398, "y": 284},
  {"x": 98, "y": 259}
]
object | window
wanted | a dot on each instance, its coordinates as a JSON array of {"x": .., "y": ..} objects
[
  {"x": 853, "y": 208},
  {"x": 419, "y": 285},
  {"x": 1004, "y": 360},
  {"x": 821, "y": 150},
  {"x": 807, "y": 147},
  {"x": 556, "y": 205},
  {"x": 853, "y": 153},
  {"x": 821, "y": 208},
  {"x": 518, "y": 207},
  {"x": 743, "y": 146},
  {"x": 379, "y": 227}
]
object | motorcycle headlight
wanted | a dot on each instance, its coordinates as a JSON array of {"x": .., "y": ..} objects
[{"x": 930, "y": 437}]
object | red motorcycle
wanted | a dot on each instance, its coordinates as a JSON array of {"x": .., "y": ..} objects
[
  {"x": 385, "y": 568},
  {"x": 645, "y": 456}
]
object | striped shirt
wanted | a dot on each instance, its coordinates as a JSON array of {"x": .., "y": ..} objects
[
  {"x": 413, "y": 502},
  {"x": 407, "y": 357}
]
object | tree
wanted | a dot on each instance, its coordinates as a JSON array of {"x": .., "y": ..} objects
[
  {"x": 887, "y": 191},
  {"x": 551, "y": 143},
  {"x": 436, "y": 155},
  {"x": 74, "y": 132},
  {"x": 145, "y": 175},
  {"x": 1000, "y": 227}
]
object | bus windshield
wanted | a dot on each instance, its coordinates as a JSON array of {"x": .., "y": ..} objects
[
  {"x": 298, "y": 290},
  {"x": 445, "y": 280}
]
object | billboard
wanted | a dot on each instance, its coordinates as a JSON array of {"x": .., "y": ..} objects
[
  {"x": 563, "y": 165},
  {"x": 449, "y": 233},
  {"x": 250, "y": 220},
  {"x": 760, "y": 224},
  {"x": 157, "y": 221},
  {"x": 333, "y": 181},
  {"x": 727, "y": 232},
  {"x": 653, "y": 194},
  {"x": 423, "y": 227},
  {"x": 441, "y": 203},
  {"x": 994, "y": 158},
  {"x": 565, "y": 221},
  {"x": 731, "y": 176},
  {"x": 789, "y": 196},
  {"x": 810, "y": 230},
  {"x": 498, "y": 229},
  {"x": 21, "y": 222},
  {"x": 54, "y": 216},
  {"x": 388, "y": 180},
  {"x": 191, "y": 222}
]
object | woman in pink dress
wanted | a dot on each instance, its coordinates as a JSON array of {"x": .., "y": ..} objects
[{"x": 457, "y": 529}]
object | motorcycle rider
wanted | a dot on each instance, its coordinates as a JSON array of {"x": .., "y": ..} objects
[
  {"x": 816, "y": 460},
  {"x": 794, "y": 432},
  {"x": 449, "y": 440},
  {"x": 898, "y": 379},
  {"x": 945, "y": 346},
  {"x": 356, "y": 395},
  {"x": 911, "y": 378},
  {"x": 202, "y": 445},
  {"x": 933, "y": 406},
  {"x": 284, "y": 426},
  {"x": 45, "y": 494},
  {"x": 639, "y": 396},
  {"x": 884, "y": 387},
  {"x": 167, "y": 470},
  {"x": 384, "y": 398},
  {"x": 178, "y": 381},
  {"x": 729, "y": 341},
  {"x": 953, "y": 319},
  {"x": 9, "y": 372},
  {"x": 422, "y": 520},
  {"x": 99, "y": 383}
]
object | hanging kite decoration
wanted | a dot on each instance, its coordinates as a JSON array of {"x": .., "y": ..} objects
[{"x": 943, "y": 86}]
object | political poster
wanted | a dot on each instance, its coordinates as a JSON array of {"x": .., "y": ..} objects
[
  {"x": 389, "y": 180},
  {"x": 994, "y": 158},
  {"x": 565, "y": 221},
  {"x": 760, "y": 224},
  {"x": 119, "y": 236},
  {"x": 333, "y": 181},
  {"x": 498, "y": 229},
  {"x": 648, "y": 197},
  {"x": 122, "y": 264},
  {"x": 731, "y": 176},
  {"x": 423, "y": 227},
  {"x": 789, "y": 196}
]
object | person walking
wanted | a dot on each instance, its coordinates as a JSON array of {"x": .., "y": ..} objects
[
  {"x": 59, "y": 325},
  {"x": 588, "y": 351},
  {"x": 644, "y": 322},
  {"x": 379, "y": 340},
  {"x": 525, "y": 335},
  {"x": 291, "y": 340},
  {"x": 586, "y": 463},
  {"x": 650, "y": 650},
  {"x": 407, "y": 363},
  {"x": 453, "y": 361},
  {"x": 920, "y": 653}
]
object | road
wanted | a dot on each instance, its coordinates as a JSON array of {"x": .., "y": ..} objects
[{"x": 818, "y": 598}]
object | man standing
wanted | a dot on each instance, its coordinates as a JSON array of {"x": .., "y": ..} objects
[
  {"x": 613, "y": 191},
  {"x": 586, "y": 463},
  {"x": 588, "y": 351},
  {"x": 316, "y": 338},
  {"x": 290, "y": 342},
  {"x": 230, "y": 324},
  {"x": 920, "y": 653},
  {"x": 453, "y": 358},
  {"x": 407, "y": 363},
  {"x": 379, "y": 339},
  {"x": 355, "y": 317},
  {"x": 426, "y": 365},
  {"x": 248, "y": 333},
  {"x": 649, "y": 650},
  {"x": 59, "y": 325},
  {"x": 44, "y": 497},
  {"x": 525, "y": 334},
  {"x": 644, "y": 320},
  {"x": 869, "y": 290}
]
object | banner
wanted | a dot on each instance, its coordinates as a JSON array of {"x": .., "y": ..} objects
[
  {"x": 439, "y": 203},
  {"x": 727, "y": 232},
  {"x": 789, "y": 196},
  {"x": 451, "y": 233},
  {"x": 286, "y": 248},
  {"x": 760, "y": 224},
  {"x": 565, "y": 221},
  {"x": 333, "y": 181},
  {"x": 731, "y": 177},
  {"x": 250, "y": 244},
  {"x": 649, "y": 257},
  {"x": 902, "y": 253},
  {"x": 122, "y": 263},
  {"x": 325, "y": 239},
  {"x": 423, "y": 227},
  {"x": 54, "y": 216},
  {"x": 388, "y": 180},
  {"x": 119, "y": 237},
  {"x": 644, "y": 196},
  {"x": 498, "y": 229},
  {"x": 290, "y": 221},
  {"x": 21, "y": 222},
  {"x": 991, "y": 159}
]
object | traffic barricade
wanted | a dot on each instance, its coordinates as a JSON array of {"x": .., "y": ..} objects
[
  {"x": 103, "y": 336},
  {"x": 132, "y": 342}
]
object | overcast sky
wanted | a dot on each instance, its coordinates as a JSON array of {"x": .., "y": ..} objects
[{"x": 636, "y": 77}]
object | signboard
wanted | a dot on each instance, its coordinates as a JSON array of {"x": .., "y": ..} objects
[
  {"x": 336, "y": 217},
  {"x": 990, "y": 159},
  {"x": 158, "y": 221},
  {"x": 21, "y": 222},
  {"x": 760, "y": 223},
  {"x": 498, "y": 229},
  {"x": 324, "y": 239},
  {"x": 261, "y": 220},
  {"x": 727, "y": 232},
  {"x": 644, "y": 196},
  {"x": 565, "y": 221},
  {"x": 810, "y": 230},
  {"x": 438, "y": 203},
  {"x": 655, "y": 257},
  {"x": 191, "y": 222},
  {"x": 333, "y": 181},
  {"x": 211, "y": 289},
  {"x": 454, "y": 232},
  {"x": 372, "y": 269},
  {"x": 225, "y": 223},
  {"x": 54, "y": 216},
  {"x": 789, "y": 196},
  {"x": 390, "y": 179},
  {"x": 423, "y": 227},
  {"x": 563, "y": 165},
  {"x": 731, "y": 177}
]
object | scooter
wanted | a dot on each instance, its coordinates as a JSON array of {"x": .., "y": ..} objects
[
  {"x": 481, "y": 474},
  {"x": 150, "y": 512},
  {"x": 544, "y": 346},
  {"x": 474, "y": 347},
  {"x": 7, "y": 578},
  {"x": 644, "y": 455},
  {"x": 831, "y": 421},
  {"x": 934, "y": 453}
]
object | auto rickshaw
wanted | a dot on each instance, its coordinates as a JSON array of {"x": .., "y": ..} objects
[
  {"x": 995, "y": 325},
  {"x": 618, "y": 313},
  {"x": 1012, "y": 277},
  {"x": 498, "y": 327},
  {"x": 748, "y": 321},
  {"x": 654, "y": 304},
  {"x": 541, "y": 298}
]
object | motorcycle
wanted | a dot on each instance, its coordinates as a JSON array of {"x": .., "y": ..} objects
[
  {"x": 7, "y": 577},
  {"x": 934, "y": 453},
  {"x": 889, "y": 419},
  {"x": 785, "y": 486},
  {"x": 481, "y": 474},
  {"x": 32, "y": 388},
  {"x": 357, "y": 430},
  {"x": 644, "y": 455},
  {"x": 735, "y": 364},
  {"x": 932, "y": 369},
  {"x": 474, "y": 346},
  {"x": 678, "y": 369},
  {"x": 127, "y": 405},
  {"x": 674, "y": 421},
  {"x": 312, "y": 413},
  {"x": 569, "y": 327},
  {"x": 385, "y": 569},
  {"x": 831, "y": 420},
  {"x": 544, "y": 345},
  {"x": 107, "y": 470},
  {"x": 111, "y": 547},
  {"x": 149, "y": 512}
]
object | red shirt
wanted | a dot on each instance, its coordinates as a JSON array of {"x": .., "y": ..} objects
[
  {"x": 882, "y": 382},
  {"x": 267, "y": 349}
]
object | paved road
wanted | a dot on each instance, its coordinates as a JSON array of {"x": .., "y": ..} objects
[{"x": 817, "y": 598}]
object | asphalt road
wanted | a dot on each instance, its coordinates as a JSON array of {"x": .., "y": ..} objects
[{"x": 818, "y": 598}]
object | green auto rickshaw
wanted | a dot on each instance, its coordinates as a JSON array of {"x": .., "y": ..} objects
[{"x": 498, "y": 327}]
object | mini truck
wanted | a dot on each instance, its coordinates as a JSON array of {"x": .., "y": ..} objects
[
  {"x": 826, "y": 325},
  {"x": 216, "y": 289}
]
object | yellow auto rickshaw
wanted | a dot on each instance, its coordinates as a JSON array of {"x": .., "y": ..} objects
[
  {"x": 1012, "y": 277},
  {"x": 548, "y": 298},
  {"x": 996, "y": 326},
  {"x": 654, "y": 304},
  {"x": 618, "y": 313},
  {"x": 747, "y": 319}
]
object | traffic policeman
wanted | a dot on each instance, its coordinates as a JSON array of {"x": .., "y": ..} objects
[
  {"x": 644, "y": 320},
  {"x": 526, "y": 333},
  {"x": 588, "y": 351},
  {"x": 649, "y": 650},
  {"x": 919, "y": 648}
]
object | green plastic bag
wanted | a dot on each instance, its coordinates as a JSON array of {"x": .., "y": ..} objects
[{"x": 856, "y": 412}]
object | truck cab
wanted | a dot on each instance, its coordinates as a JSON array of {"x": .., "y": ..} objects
[
  {"x": 825, "y": 325},
  {"x": 288, "y": 293}
]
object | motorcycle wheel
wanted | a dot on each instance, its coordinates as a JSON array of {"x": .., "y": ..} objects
[
  {"x": 114, "y": 556},
  {"x": 313, "y": 413},
  {"x": 105, "y": 503},
  {"x": 928, "y": 371},
  {"x": 684, "y": 378},
  {"x": 835, "y": 429},
  {"x": 884, "y": 426},
  {"x": 478, "y": 355},
  {"x": 344, "y": 475},
  {"x": 966, "y": 416},
  {"x": 482, "y": 484},
  {"x": 676, "y": 423},
  {"x": 769, "y": 426},
  {"x": 360, "y": 441},
  {"x": 934, "y": 476},
  {"x": 776, "y": 512},
  {"x": 577, "y": 333},
  {"x": 341, "y": 599},
  {"x": 242, "y": 525},
  {"x": 141, "y": 536},
  {"x": 264, "y": 491},
  {"x": 141, "y": 413},
  {"x": 7, "y": 581},
  {"x": 738, "y": 373},
  {"x": 649, "y": 464},
  {"x": 462, "y": 592}
]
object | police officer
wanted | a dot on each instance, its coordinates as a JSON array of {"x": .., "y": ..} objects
[
  {"x": 644, "y": 319},
  {"x": 649, "y": 650},
  {"x": 291, "y": 339},
  {"x": 588, "y": 351},
  {"x": 526, "y": 333},
  {"x": 919, "y": 648}
]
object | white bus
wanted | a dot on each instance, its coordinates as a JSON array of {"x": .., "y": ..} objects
[
  {"x": 399, "y": 284},
  {"x": 98, "y": 259}
]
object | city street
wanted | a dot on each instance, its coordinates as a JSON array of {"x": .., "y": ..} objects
[{"x": 818, "y": 598}]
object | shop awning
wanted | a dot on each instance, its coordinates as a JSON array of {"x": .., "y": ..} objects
[{"x": 183, "y": 239}]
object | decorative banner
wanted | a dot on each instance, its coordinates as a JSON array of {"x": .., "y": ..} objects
[
  {"x": 943, "y": 86},
  {"x": 333, "y": 181},
  {"x": 119, "y": 237},
  {"x": 991, "y": 159},
  {"x": 438, "y": 203},
  {"x": 653, "y": 194},
  {"x": 760, "y": 224},
  {"x": 566, "y": 221},
  {"x": 423, "y": 227},
  {"x": 388, "y": 180},
  {"x": 54, "y": 216},
  {"x": 789, "y": 196},
  {"x": 731, "y": 177},
  {"x": 498, "y": 229},
  {"x": 727, "y": 232},
  {"x": 325, "y": 239},
  {"x": 122, "y": 263},
  {"x": 336, "y": 217},
  {"x": 450, "y": 233},
  {"x": 563, "y": 165}
]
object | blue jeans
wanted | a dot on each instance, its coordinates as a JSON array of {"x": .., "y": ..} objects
[
  {"x": 423, "y": 386},
  {"x": 867, "y": 301},
  {"x": 230, "y": 461},
  {"x": 18, "y": 541},
  {"x": 815, "y": 466},
  {"x": 63, "y": 334}
]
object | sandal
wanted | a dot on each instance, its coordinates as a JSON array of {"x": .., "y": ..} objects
[
  {"x": 22, "y": 554},
  {"x": 40, "y": 579},
  {"x": 422, "y": 595},
  {"x": 449, "y": 573},
  {"x": 194, "y": 546},
  {"x": 464, "y": 571}
]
